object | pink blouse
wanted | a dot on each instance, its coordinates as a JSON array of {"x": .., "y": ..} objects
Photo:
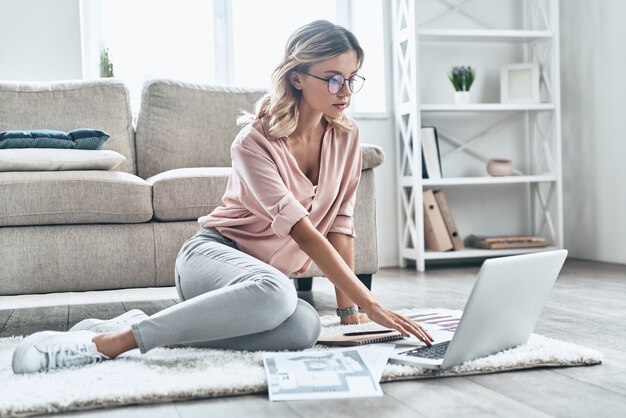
[{"x": 267, "y": 194}]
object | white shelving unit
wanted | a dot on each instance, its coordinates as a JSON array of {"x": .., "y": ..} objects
[{"x": 529, "y": 201}]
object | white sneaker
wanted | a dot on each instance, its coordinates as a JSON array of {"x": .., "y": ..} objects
[
  {"x": 119, "y": 323},
  {"x": 49, "y": 350}
]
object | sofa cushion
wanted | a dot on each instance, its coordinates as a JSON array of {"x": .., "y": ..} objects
[
  {"x": 187, "y": 193},
  {"x": 44, "y": 159},
  {"x": 97, "y": 104},
  {"x": 73, "y": 197},
  {"x": 183, "y": 125},
  {"x": 91, "y": 139}
]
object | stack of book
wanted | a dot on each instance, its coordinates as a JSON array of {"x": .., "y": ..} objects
[
  {"x": 502, "y": 242},
  {"x": 440, "y": 230}
]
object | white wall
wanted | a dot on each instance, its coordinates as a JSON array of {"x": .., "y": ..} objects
[
  {"x": 40, "y": 40},
  {"x": 593, "y": 86},
  {"x": 381, "y": 132}
]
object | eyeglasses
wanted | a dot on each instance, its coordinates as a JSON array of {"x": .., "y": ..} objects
[{"x": 336, "y": 82}]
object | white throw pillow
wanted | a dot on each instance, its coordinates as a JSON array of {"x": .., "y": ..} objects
[{"x": 55, "y": 159}]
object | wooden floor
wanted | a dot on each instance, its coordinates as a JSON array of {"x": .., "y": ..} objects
[{"x": 587, "y": 306}]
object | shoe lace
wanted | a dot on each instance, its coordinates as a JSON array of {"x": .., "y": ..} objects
[{"x": 61, "y": 356}]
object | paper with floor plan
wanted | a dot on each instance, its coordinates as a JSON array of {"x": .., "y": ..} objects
[{"x": 324, "y": 374}]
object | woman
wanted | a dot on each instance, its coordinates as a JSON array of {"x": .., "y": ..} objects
[{"x": 289, "y": 201}]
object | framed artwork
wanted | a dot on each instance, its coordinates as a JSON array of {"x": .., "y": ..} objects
[{"x": 519, "y": 83}]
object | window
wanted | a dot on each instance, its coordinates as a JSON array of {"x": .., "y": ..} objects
[
  {"x": 367, "y": 25},
  {"x": 158, "y": 39},
  {"x": 260, "y": 32},
  {"x": 221, "y": 41}
]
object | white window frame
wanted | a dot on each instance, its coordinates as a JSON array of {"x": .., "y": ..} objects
[
  {"x": 91, "y": 37},
  {"x": 223, "y": 36}
]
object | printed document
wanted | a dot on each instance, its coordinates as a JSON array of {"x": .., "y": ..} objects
[{"x": 324, "y": 374}]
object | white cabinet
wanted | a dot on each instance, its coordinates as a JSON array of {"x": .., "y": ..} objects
[{"x": 429, "y": 37}]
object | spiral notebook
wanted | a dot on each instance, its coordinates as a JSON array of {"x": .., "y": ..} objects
[{"x": 361, "y": 338}]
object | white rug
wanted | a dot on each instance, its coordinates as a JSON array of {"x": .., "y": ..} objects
[{"x": 164, "y": 375}]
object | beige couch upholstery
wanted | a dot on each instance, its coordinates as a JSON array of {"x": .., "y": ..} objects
[{"x": 88, "y": 230}]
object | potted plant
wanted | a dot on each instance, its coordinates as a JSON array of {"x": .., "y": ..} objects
[
  {"x": 462, "y": 78},
  {"x": 106, "y": 66}
]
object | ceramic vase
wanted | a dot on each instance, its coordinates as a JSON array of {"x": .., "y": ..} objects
[{"x": 499, "y": 167}]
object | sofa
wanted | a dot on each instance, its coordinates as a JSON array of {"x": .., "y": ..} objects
[{"x": 79, "y": 230}]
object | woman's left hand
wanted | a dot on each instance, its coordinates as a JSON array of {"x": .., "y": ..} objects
[{"x": 356, "y": 318}]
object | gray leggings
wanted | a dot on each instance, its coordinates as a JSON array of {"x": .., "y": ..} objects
[{"x": 229, "y": 300}]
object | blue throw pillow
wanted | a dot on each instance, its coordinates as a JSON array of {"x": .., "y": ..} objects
[{"x": 45, "y": 138}]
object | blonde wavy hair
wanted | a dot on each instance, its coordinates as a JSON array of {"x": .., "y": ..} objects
[{"x": 314, "y": 42}]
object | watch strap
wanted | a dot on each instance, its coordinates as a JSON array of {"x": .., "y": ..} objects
[{"x": 348, "y": 311}]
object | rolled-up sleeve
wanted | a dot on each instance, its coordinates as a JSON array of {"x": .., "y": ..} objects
[
  {"x": 343, "y": 225},
  {"x": 289, "y": 212},
  {"x": 265, "y": 193},
  {"x": 343, "y": 222}
]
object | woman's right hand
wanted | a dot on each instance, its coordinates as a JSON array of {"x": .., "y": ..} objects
[{"x": 402, "y": 324}]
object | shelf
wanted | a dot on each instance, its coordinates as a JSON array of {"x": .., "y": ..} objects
[
  {"x": 487, "y": 180},
  {"x": 486, "y": 107},
  {"x": 480, "y": 253},
  {"x": 530, "y": 133},
  {"x": 481, "y": 35}
]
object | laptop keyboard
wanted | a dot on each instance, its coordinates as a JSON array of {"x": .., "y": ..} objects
[{"x": 436, "y": 351}]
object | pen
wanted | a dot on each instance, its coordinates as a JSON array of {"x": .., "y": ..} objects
[{"x": 351, "y": 334}]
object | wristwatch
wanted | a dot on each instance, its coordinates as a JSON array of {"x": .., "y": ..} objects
[{"x": 348, "y": 311}]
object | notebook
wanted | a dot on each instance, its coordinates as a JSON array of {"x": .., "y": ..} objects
[{"x": 362, "y": 338}]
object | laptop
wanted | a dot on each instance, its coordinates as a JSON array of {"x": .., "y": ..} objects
[{"x": 501, "y": 312}]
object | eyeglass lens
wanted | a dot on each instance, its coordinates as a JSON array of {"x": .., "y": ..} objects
[{"x": 336, "y": 82}]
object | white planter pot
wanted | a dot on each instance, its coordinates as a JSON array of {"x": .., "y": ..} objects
[{"x": 461, "y": 97}]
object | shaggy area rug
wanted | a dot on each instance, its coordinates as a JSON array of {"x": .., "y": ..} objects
[{"x": 178, "y": 374}]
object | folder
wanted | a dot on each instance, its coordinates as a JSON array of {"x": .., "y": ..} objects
[
  {"x": 431, "y": 160},
  {"x": 436, "y": 235},
  {"x": 457, "y": 241}
]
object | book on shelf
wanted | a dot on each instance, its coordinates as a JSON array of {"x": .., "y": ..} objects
[
  {"x": 431, "y": 158},
  {"x": 453, "y": 230},
  {"x": 436, "y": 236},
  {"x": 505, "y": 242}
]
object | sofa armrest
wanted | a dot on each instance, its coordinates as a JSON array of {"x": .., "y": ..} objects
[{"x": 373, "y": 156}]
